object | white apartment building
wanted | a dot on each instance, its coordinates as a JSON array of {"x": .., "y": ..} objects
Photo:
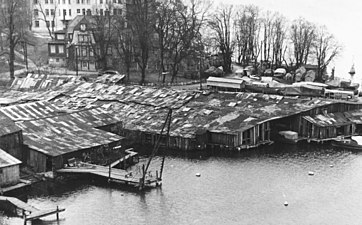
[{"x": 57, "y": 13}]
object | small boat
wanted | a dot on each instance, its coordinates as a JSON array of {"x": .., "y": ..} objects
[
  {"x": 353, "y": 143},
  {"x": 287, "y": 137}
]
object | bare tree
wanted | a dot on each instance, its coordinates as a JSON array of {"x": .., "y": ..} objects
[
  {"x": 165, "y": 18},
  {"x": 103, "y": 30},
  {"x": 185, "y": 33},
  {"x": 326, "y": 49},
  {"x": 124, "y": 44},
  {"x": 279, "y": 39},
  {"x": 14, "y": 17},
  {"x": 221, "y": 24},
  {"x": 302, "y": 36},
  {"x": 247, "y": 25},
  {"x": 141, "y": 20},
  {"x": 48, "y": 16}
]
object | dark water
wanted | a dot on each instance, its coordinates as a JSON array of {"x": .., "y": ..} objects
[{"x": 247, "y": 188}]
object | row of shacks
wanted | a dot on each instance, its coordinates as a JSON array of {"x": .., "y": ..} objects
[{"x": 46, "y": 128}]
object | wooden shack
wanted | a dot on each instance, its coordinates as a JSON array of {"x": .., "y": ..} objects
[
  {"x": 9, "y": 169},
  {"x": 11, "y": 137},
  {"x": 50, "y": 142},
  {"x": 326, "y": 126},
  {"x": 256, "y": 135}
]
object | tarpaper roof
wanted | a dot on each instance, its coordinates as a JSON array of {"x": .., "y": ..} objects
[
  {"x": 7, "y": 159},
  {"x": 327, "y": 120}
]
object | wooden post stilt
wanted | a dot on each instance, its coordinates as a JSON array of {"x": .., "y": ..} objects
[
  {"x": 57, "y": 213},
  {"x": 109, "y": 174},
  {"x": 24, "y": 216}
]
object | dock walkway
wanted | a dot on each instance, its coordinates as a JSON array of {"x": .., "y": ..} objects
[
  {"x": 112, "y": 174},
  {"x": 29, "y": 212}
]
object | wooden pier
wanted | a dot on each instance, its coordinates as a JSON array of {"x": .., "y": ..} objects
[
  {"x": 29, "y": 212},
  {"x": 112, "y": 174}
]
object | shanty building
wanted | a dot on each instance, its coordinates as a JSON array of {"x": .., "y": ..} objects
[
  {"x": 11, "y": 137},
  {"x": 50, "y": 142},
  {"x": 326, "y": 126},
  {"x": 9, "y": 169},
  {"x": 52, "y": 136}
]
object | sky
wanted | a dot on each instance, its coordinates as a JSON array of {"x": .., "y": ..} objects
[{"x": 343, "y": 18}]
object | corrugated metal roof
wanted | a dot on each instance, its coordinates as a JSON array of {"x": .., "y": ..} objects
[
  {"x": 7, "y": 159},
  {"x": 56, "y": 136},
  {"x": 94, "y": 117},
  {"x": 7, "y": 126},
  {"x": 40, "y": 82}
]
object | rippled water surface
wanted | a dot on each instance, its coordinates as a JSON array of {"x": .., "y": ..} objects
[{"x": 246, "y": 188}]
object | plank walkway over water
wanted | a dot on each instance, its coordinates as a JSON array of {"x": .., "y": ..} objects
[
  {"x": 113, "y": 174},
  {"x": 31, "y": 212},
  {"x": 130, "y": 154}
]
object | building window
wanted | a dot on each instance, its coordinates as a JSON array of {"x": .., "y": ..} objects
[
  {"x": 36, "y": 12},
  {"x": 88, "y": 2},
  {"x": 47, "y": 23},
  {"x": 46, "y": 1},
  {"x": 84, "y": 52},
  {"x": 78, "y": 11},
  {"x": 35, "y": 2},
  {"x": 47, "y": 12},
  {"x": 114, "y": 1},
  {"x": 85, "y": 64},
  {"x": 53, "y": 24},
  {"x": 69, "y": 2},
  {"x": 63, "y": 1},
  {"x": 51, "y": 1},
  {"x": 52, "y": 49},
  {"x": 36, "y": 23},
  {"x": 119, "y": 11},
  {"x": 78, "y": 1},
  {"x": 64, "y": 12},
  {"x": 83, "y": 11},
  {"x": 101, "y": 12},
  {"x": 119, "y": 1},
  {"x": 89, "y": 12},
  {"x": 100, "y": 1},
  {"x": 82, "y": 1},
  {"x": 57, "y": 59},
  {"x": 114, "y": 11},
  {"x": 70, "y": 12},
  {"x": 91, "y": 52},
  {"x": 52, "y": 12},
  {"x": 61, "y": 49}
]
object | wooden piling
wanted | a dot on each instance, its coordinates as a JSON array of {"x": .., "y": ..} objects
[{"x": 57, "y": 213}]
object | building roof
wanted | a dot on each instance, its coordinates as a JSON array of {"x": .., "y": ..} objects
[
  {"x": 41, "y": 82},
  {"x": 7, "y": 159},
  {"x": 328, "y": 120},
  {"x": 56, "y": 136},
  {"x": 7, "y": 126}
]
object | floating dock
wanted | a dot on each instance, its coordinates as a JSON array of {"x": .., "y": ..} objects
[
  {"x": 29, "y": 212},
  {"x": 112, "y": 174}
]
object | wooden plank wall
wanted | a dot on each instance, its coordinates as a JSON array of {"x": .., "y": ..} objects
[{"x": 9, "y": 175}]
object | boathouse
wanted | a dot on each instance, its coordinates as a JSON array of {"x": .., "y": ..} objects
[
  {"x": 326, "y": 126},
  {"x": 11, "y": 137},
  {"x": 9, "y": 169},
  {"x": 50, "y": 142}
]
